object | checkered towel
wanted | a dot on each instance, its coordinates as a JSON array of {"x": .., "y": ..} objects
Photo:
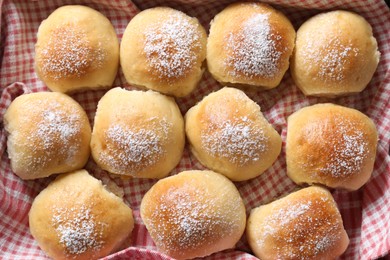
[{"x": 366, "y": 212}]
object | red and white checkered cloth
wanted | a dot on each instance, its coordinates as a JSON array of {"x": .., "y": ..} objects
[{"x": 366, "y": 212}]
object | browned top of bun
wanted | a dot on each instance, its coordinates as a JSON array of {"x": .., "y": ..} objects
[
  {"x": 75, "y": 217},
  {"x": 229, "y": 134},
  {"x": 137, "y": 133},
  {"x": 163, "y": 49},
  {"x": 193, "y": 214},
  {"x": 76, "y": 48},
  {"x": 332, "y": 145},
  {"x": 303, "y": 225},
  {"x": 172, "y": 44},
  {"x": 250, "y": 43},
  {"x": 49, "y": 133},
  {"x": 68, "y": 54},
  {"x": 335, "y": 54}
]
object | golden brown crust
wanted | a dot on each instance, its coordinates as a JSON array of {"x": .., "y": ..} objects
[
  {"x": 193, "y": 214},
  {"x": 75, "y": 217},
  {"x": 303, "y": 225},
  {"x": 228, "y": 134},
  {"x": 164, "y": 49},
  {"x": 335, "y": 54},
  {"x": 331, "y": 145},
  {"x": 250, "y": 44},
  {"x": 76, "y": 48},
  {"x": 48, "y": 133},
  {"x": 136, "y": 133}
]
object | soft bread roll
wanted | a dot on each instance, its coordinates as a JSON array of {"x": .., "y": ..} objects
[
  {"x": 193, "y": 214},
  {"x": 136, "y": 133},
  {"x": 250, "y": 44},
  {"x": 228, "y": 133},
  {"x": 303, "y": 225},
  {"x": 331, "y": 145},
  {"x": 335, "y": 54},
  {"x": 76, "y": 48},
  {"x": 48, "y": 133},
  {"x": 75, "y": 217},
  {"x": 163, "y": 49}
]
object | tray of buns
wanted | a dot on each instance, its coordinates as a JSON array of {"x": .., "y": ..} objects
[{"x": 177, "y": 129}]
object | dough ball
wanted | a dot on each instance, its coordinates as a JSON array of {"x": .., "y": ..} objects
[
  {"x": 228, "y": 133},
  {"x": 77, "y": 48},
  {"x": 48, "y": 133},
  {"x": 250, "y": 44},
  {"x": 164, "y": 49},
  {"x": 330, "y": 145},
  {"x": 194, "y": 214},
  {"x": 76, "y": 217},
  {"x": 138, "y": 134},
  {"x": 335, "y": 54},
  {"x": 303, "y": 225}
]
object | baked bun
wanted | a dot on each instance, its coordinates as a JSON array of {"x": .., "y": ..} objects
[
  {"x": 48, "y": 133},
  {"x": 164, "y": 49},
  {"x": 136, "y": 133},
  {"x": 193, "y": 214},
  {"x": 335, "y": 54},
  {"x": 75, "y": 217},
  {"x": 228, "y": 133},
  {"x": 250, "y": 44},
  {"x": 331, "y": 145},
  {"x": 77, "y": 48},
  {"x": 303, "y": 225}
]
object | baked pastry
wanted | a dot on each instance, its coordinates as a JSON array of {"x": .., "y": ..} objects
[
  {"x": 138, "y": 134},
  {"x": 335, "y": 54},
  {"x": 193, "y": 214},
  {"x": 306, "y": 224},
  {"x": 48, "y": 133},
  {"x": 228, "y": 133},
  {"x": 331, "y": 145},
  {"x": 250, "y": 44},
  {"x": 77, "y": 48},
  {"x": 76, "y": 217},
  {"x": 163, "y": 49}
]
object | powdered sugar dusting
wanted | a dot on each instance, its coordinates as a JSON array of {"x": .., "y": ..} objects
[
  {"x": 130, "y": 149},
  {"x": 253, "y": 49},
  {"x": 169, "y": 46},
  {"x": 69, "y": 53},
  {"x": 239, "y": 140},
  {"x": 301, "y": 230},
  {"x": 77, "y": 229},
  {"x": 331, "y": 59},
  {"x": 345, "y": 151},
  {"x": 191, "y": 216},
  {"x": 55, "y": 128}
]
